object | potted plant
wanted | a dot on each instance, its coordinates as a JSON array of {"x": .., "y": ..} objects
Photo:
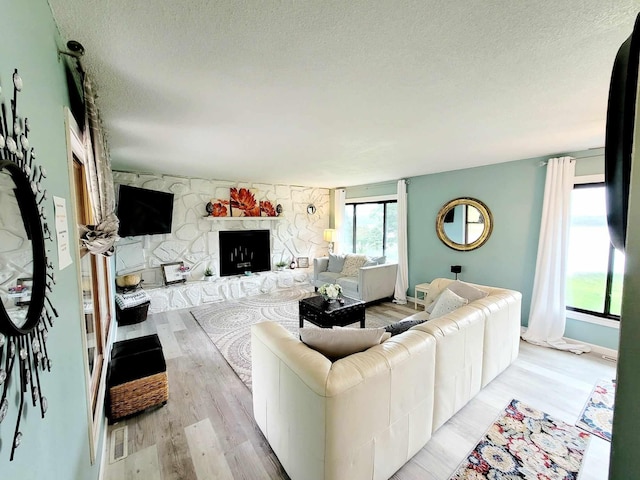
[
  {"x": 208, "y": 274},
  {"x": 280, "y": 265}
]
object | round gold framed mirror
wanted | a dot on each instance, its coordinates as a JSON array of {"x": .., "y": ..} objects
[{"x": 464, "y": 224}]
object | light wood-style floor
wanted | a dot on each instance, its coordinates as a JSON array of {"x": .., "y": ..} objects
[{"x": 206, "y": 430}]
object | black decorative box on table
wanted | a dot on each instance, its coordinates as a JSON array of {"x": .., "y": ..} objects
[{"x": 137, "y": 377}]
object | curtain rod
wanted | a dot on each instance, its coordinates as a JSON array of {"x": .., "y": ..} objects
[
  {"x": 573, "y": 159},
  {"x": 76, "y": 51}
]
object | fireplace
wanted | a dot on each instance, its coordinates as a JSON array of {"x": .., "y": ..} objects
[{"x": 244, "y": 251}]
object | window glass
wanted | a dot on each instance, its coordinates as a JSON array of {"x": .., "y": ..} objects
[
  {"x": 347, "y": 230},
  {"x": 594, "y": 268},
  {"x": 371, "y": 229}
]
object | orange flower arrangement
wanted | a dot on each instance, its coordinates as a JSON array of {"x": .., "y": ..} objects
[
  {"x": 267, "y": 208},
  {"x": 219, "y": 210},
  {"x": 242, "y": 199}
]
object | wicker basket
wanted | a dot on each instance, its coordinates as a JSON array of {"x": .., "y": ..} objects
[
  {"x": 137, "y": 377},
  {"x": 138, "y": 395}
]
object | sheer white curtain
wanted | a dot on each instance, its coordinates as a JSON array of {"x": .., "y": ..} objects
[
  {"x": 402, "y": 280},
  {"x": 548, "y": 306},
  {"x": 340, "y": 198}
]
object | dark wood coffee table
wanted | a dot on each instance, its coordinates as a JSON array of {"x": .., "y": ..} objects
[{"x": 334, "y": 314}]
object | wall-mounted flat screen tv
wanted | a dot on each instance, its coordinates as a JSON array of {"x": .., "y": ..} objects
[
  {"x": 144, "y": 212},
  {"x": 621, "y": 115}
]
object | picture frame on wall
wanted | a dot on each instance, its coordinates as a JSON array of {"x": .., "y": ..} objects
[
  {"x": 303, "y": 262},
  {"x": 172, "y": 273}
]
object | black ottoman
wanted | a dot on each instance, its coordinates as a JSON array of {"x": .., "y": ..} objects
[{"x": 137, "y": 377}]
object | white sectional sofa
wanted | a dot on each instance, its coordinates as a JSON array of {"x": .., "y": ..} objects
[{"x": 365, "y": 415}]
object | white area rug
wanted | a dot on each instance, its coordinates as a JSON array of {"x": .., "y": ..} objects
[{"x": 228, "y": 323}]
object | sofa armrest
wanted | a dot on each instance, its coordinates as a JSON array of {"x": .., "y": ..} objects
[
  {"x": 320, "y": 264},
  {"x": 378, "y": 281}
]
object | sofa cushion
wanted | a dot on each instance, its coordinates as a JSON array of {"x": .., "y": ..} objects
[
  {"x": 349, "y": 284},
  {"x": 328, "y": 277},
  {"x": 352, "y": 264},
  {"x": 338, "y": 343},
  {"x": 463, "y": 290},
  {"x": 373, "y": 261},
  {"x": 404, "y": 325},
  {"x": 447, "y": 302},
  {"x": 336, "y": 262},
  {"x": 466, "y": 290}
]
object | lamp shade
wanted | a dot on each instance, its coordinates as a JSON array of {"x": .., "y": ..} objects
[{"x": 330, "y": 235}]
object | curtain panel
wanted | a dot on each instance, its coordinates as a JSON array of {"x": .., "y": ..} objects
[
  {"x": 547, "y": 317},
  {"x": 99, "y": 238},
  {"x": 402, "y": 279}
]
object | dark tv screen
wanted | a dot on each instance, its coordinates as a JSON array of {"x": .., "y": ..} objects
[
  {"x": 144, "y": 212},
  {"x": 621, "y": 116}
]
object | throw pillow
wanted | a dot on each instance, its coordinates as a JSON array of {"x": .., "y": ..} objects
[
  {"x": 338, "y": 343},
  {"x": 467, "y": 291},
  {"x": 373, "y": 261},
  {"x": 447, "y": 302},
  {"x": 336, "y": 262},
  {"x": 352, "y": 264},
  {"x": 403, "y": 326}
]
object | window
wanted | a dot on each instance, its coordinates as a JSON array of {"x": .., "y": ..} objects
[
  {"x": 95, "y": 284},
  {"x": 371, "y": 228},
  {"x": 594, "y": 268}
]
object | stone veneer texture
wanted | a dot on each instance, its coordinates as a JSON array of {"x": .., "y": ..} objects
[{"x": 194, "y": 236}]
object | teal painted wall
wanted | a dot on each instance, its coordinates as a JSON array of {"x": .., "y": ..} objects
[
  {"x": 591, "y": 333},
  {"x": 514, "y": 193},
  {"x": 55, "y": 447}
]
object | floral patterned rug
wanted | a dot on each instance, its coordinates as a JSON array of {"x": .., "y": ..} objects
[
  {"x": 597, "y": 414},
  {"x": 526, "y": 443}
]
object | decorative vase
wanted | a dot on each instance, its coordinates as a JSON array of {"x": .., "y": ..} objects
[{"x": 328, "y": 299}]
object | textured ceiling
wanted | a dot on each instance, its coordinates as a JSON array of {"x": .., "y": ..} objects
[{"x": 339, "y": 93}]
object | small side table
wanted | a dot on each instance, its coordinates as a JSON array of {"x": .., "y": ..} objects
[{"x": 420, "y": 288}]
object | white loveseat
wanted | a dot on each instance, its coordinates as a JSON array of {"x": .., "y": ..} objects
[
  {"x": 372, "y": 282},
  {"x": 365, "y": 415}
]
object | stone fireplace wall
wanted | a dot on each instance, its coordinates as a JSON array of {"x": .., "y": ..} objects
[{"x": 194, "y": 236}]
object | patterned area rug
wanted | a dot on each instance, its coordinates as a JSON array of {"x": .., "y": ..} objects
[
  {"x": 228, "y": 323},
  {"x": 597, "y": 414},
  {"x": 526, "y": 443}
]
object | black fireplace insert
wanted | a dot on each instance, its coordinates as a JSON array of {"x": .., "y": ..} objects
[{"x": 244, "y": 251}]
